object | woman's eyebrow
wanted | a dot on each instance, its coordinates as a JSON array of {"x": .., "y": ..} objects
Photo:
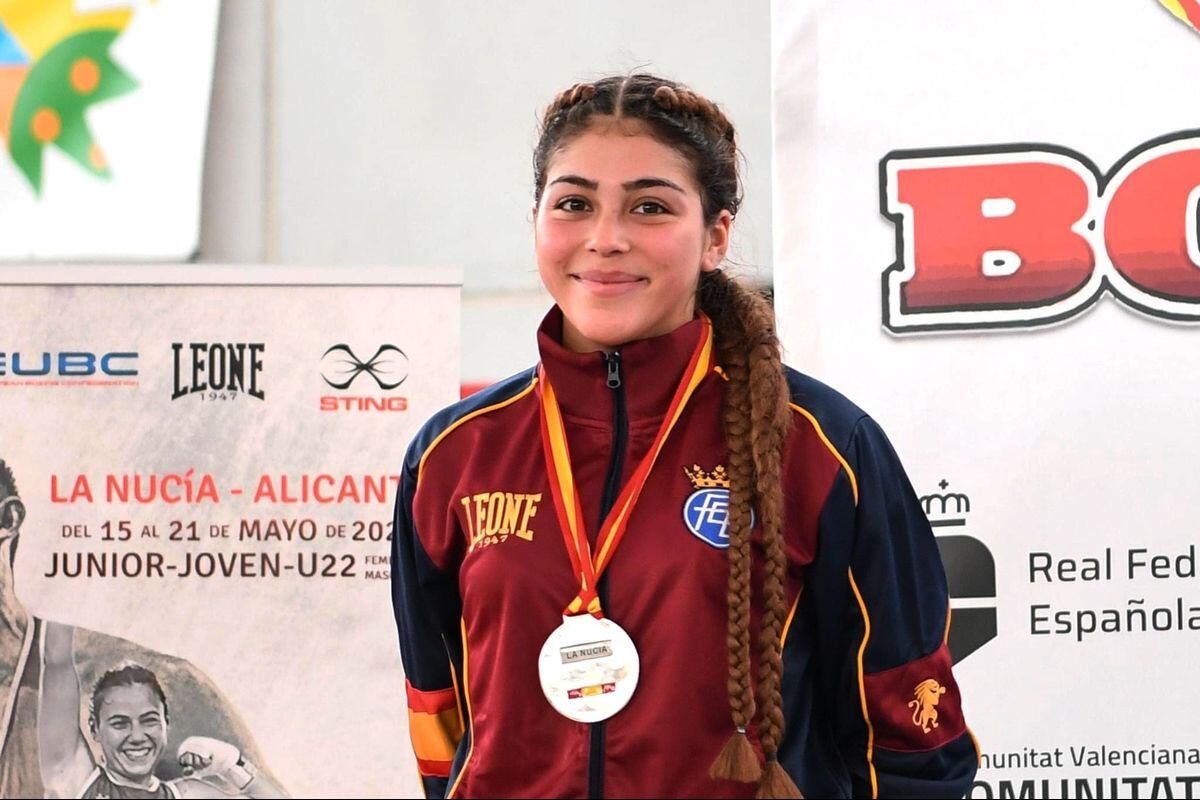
[
  {"x": 647, "y": 183},
  {"x": 576, "y": 180},
  {"x": 629, "y": 186}
]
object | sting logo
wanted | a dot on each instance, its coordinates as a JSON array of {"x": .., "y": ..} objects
[
  {"x": 1025, "y": 235},
  {"x": 340, "y": 367}
]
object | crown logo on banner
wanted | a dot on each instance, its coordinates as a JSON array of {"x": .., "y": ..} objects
[
  {"x": 700, "y": 479},
  {"x": 946, "y": 508}
]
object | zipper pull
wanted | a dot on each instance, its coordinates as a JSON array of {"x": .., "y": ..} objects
[{"x": 614, "y": 370}]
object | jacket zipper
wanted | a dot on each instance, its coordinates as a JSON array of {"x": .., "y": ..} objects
[{"x": 612, "y": 485}]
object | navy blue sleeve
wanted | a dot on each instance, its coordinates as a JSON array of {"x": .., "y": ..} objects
[
  {"x": 427, "y": 608},
  {"x": 886, "y": 713}
]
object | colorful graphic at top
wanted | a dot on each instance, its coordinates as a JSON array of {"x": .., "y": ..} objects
[
  {"x": 54, "y": 64},
  {"x": 1186, "y": 10}
]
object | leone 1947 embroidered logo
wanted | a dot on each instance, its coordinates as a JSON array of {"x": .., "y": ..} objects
[{"x": 492, "y": 517}]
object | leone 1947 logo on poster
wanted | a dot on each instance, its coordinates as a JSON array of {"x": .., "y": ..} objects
[{"x": 218, "y": 370}]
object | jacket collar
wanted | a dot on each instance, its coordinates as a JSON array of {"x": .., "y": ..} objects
[{"x": 650, "y": 372}]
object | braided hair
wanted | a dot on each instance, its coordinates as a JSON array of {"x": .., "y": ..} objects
[{"x": 755, "y": 413}]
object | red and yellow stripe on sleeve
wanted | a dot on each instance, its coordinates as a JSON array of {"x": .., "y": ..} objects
[{"x": 435, "y": 727}]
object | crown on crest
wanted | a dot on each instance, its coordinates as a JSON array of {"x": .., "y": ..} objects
[{"x": 700, "y": 479}]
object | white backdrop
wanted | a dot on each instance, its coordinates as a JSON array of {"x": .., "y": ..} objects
[
  {"x": 1074, "y": 440},
  {"x": 309, "y": 662}
]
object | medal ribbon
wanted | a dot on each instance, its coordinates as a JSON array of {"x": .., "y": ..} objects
[{"x": 587, "y": 567}]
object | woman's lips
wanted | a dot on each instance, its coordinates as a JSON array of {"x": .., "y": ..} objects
[
  {"x": 137, "y": 753},
  {"x": 608, "y": 284}
]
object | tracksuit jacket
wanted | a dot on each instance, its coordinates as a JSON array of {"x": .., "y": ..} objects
[{"x": 480, "y": 577}]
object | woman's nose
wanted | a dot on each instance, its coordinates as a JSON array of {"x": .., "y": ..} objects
[{"x": 608, "y": 235}]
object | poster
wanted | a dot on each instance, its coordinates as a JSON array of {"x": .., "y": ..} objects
[
  {"x": 103, "y": 114},
  {"x": 205, "y": 471},
  {"x": 986, "y": 223}
]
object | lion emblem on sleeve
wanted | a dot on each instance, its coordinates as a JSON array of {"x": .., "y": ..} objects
[{"x": 924, "y": 704}]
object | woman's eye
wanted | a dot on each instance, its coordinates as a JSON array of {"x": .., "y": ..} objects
[
  {"x": 571, "y": 204},
  {"x": 649, "y": 207}
]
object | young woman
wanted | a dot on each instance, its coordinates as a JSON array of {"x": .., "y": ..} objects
[
  {"x": 660, "y": 563},
  {"x": 128, "y": 719}
]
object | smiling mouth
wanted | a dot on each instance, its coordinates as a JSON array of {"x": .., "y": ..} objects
[
  {"x": 137, "y": 753},
  {"x": 607, "y": 284},
  {"x": 606, "y": 277}
]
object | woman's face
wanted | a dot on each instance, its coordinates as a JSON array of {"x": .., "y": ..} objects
[
  {"x": 131, "y": 729},
  {"x": 620, "y": 236}
]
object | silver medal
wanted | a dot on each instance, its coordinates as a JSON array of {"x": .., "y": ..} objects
[{"x": 588, "y": 668}]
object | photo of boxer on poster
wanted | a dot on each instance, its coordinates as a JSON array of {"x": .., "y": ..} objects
[
  {"x": 106, "y": 666},
  {"x": 129, "y": 720}
]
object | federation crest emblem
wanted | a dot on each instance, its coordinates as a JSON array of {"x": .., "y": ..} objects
[{"x": 706, "y": 510}]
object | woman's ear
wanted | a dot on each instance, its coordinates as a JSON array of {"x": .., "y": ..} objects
[
  {"x": 12, "y": 514},
  {"x": 716, "y": 241}
]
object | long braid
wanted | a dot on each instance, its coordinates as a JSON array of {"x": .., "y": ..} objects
[
  {"x": 743, "y": 327},
  {"x": 737, "y": 760},
  {"x": 770, "y": 420}
]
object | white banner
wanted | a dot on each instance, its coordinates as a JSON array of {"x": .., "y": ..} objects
[
  {"x": 207, "y": 471},
  {"x": 103, "y": 114},
  {"x": 986, "y": 227}
]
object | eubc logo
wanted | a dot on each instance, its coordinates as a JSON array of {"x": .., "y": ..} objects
[{"x": 68, "y": 364}]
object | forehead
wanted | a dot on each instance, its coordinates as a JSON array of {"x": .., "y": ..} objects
[
  {"x": 617, "y": 151},
  {"x": 131, "y": 701}
]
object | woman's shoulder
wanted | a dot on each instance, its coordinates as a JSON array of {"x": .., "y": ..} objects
[
  {"x": 824, "y": 408},
  {"x": 495, "y": 397},
  {"x": 851, "y": 436}
]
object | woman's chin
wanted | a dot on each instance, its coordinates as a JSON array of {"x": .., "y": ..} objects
[{"x": 587, "y": 342}]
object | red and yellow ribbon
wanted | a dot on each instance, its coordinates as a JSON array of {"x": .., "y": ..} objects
[{"x": 587, "y": 567}]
